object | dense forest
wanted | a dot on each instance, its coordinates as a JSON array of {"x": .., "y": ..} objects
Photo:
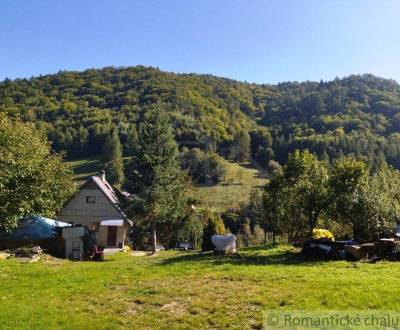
[{"x": 357, "y": 115}]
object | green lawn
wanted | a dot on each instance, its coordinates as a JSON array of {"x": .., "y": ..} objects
[{"x": 187, "y": 290}]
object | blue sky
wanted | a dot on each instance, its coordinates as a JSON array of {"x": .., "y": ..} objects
[{"x": 254, "y": 40}]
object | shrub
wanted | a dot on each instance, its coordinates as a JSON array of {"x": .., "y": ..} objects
[
  {"x": 248, "y": 237},
  {"x": 203, "y": 167},
  {"x": 192, "y": 230},
  {"x": 213, "y": 226}
]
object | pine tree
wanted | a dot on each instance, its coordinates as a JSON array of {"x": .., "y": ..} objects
[
  {"x": 154, "y": 175},
  {"x": 112, "y": 159}
]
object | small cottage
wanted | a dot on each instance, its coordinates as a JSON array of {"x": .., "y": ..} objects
[{"x": 97, "y": 207}]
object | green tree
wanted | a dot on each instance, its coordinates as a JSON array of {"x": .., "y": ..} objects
[
  {"x": 203, "y": 167},
  {"x": 240, "y": 149},
  {"x": 213, "y": 225},
  {"x": 132, "y": 140},
  {"x": 33, "y": 180},
  {"x": 369, "y": 203},
  {"x": 308, "y": 178},
  {"x": 270, "y": 208},
  {"x": 153, "y": 174},
  {"x": 382, "y": 196},
  {"x": 192, "y": 229},
  {"x": 347, "y": 180},
  {"x": 112, "y": 159}
]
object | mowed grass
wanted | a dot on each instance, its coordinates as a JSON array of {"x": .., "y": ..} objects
[
  {"x": 179, "y": 290},
  {"x": 234, "y": 190}
]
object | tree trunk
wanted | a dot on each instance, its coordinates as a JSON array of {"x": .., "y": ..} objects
[
  {"x": 273, "y": 238},
  {"x": 312, "y": 221},
  {"x": 265, "y": 237},
  {"x": 154, "y": 238}
]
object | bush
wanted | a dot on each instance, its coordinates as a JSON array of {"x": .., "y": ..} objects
[
  {"x": 248, "y": 237},
  {"x": 203, "y": 167},
  {"x": 232, "y": 221},
  {"x": 192, "y": 230},
  {"x": 213, "y": 226}
]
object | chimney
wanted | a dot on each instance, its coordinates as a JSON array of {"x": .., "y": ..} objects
[{"x": 102, "y": 175}]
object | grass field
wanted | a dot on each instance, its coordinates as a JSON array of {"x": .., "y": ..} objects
[
  {"x": 235, "y": 189},
  {"x": 179, "y": 290},
  {"x": 83, "y": 168}
]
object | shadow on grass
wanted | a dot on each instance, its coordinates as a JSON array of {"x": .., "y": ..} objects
[{"x": 248, "y": 256}]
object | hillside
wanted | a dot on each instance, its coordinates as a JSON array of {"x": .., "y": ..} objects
[
  {"x": 239, "y": 181},
  {"x": 357, "y": 115}
]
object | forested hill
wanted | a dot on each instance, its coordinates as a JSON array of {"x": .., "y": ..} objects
[{"x": 357, "y": 115}]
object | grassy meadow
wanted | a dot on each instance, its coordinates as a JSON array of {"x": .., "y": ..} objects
[
  {"x": 234, "y": 190},
  {"x": 181, "y": 290}
]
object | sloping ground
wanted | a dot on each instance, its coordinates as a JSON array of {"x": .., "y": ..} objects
[
  {"x": 177, "y": 290},
  {"x": 83, "y": 168},
  {"x": 235, "y": 189}
]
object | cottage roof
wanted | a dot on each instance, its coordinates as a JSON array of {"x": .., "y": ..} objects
[
  {"x": 106, "y": 188},
  {"x": 109, "y": 192}
]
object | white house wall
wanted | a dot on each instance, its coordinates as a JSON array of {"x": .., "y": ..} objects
[{"x": 78, "y": 211}]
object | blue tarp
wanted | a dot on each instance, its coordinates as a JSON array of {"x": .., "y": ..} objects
[{"x": 34, "y": 227}]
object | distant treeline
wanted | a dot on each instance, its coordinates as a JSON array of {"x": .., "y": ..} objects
[{"x": 358, "y": 115}]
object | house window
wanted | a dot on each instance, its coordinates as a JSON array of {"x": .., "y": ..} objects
[
  {"x": 95, "y": 226},
  {"x": 90, "y": 199}
]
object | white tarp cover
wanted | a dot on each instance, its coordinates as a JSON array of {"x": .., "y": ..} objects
[
  {"x": 224, "y": 243},
  {"x": 113, "y": 222}
]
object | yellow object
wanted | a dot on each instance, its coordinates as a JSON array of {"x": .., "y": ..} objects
[
  {"x": 126, "y": 249},
  {"x": 322, "y": 233}
]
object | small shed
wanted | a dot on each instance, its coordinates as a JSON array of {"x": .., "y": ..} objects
[{"x": 78, "y": 242}]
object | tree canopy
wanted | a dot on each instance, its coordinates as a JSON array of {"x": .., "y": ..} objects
[
  {"x": 358, "y": 115},
  {"x": 307, "y": 192},
  {"x": 33, "y": 180}
]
